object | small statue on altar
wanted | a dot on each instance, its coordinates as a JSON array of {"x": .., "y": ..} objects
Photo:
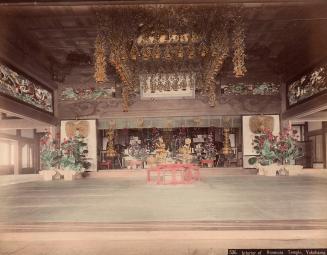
[
  {"x": 161, "y": 152},
  {"x": 186, "y": 151}
]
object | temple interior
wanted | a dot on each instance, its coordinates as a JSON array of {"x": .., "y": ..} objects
[{"x": 163, "y": 102}]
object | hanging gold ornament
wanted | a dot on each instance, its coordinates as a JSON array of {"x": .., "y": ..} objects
[
  {"x": 125, "y": 99},
  {"x": 190, "y": 51},
  {"x": 180, "y": 50},
  {"x": 134, "y": 53},
  {"x": 123, "y": 52},
  {"x": 212, "y": 94},
  {"x": 239, "y": 48},
  {"x": 203, "y": 49},
  {"x": 156, "y": 52},
  {"x": 167, "y": 52},
  {"x": 220, "y": 47},
  {"x": 146, "y": 53},
  {"x": 100, "y": 64}
]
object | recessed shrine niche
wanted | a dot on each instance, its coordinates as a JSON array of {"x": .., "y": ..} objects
[{"x": 215, "y": 140}]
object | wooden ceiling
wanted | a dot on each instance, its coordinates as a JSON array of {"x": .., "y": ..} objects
[{"x": 282, "y": 39}]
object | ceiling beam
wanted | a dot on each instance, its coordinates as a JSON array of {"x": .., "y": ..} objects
[
  {"x": 22, "y": 124},
  {"x": 134, "y": 2},
  {"x": 304, "y": 109},
  {"x": 319, "y": 116}
]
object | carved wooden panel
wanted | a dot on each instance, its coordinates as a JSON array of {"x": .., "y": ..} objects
[
  {"x": 308, "y": 85},
  {"x": 17, "y": 86}
]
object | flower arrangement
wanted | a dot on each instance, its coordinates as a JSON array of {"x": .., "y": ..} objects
[
  {"x": 50, "y": 152},
  {"x": 210, "y": 149},
  {"x": 275, "y": 149},
  {"x": 73, "y": 154}
]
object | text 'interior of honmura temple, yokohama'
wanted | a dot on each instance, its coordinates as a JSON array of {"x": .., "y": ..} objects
[{"x": 163, "y": 127}]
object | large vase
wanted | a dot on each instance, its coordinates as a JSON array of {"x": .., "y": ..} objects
[
  {"x": 269, "y": 170},
  {"x": 276, "y": 169},
  {"x": 48, "y": 174},
  {"x": 293, "y": 169},
  {"x": 68, "y": 174}
]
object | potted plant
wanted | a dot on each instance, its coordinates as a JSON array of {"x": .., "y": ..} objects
[
  {"x": 73, "y": 156},
  {"x": 49, "y": 153},
  {"x": 288, "y": 151},
  {"x": 264, "y": 145},
  {"x": 275, "y": 153}
]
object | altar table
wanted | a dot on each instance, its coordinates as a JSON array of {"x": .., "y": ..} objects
[
  {"x": 187, "y": 173},
  {"x": 208, "y": 162}
]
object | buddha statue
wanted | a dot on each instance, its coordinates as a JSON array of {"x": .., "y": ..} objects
[
  {"x": 186, "y": 151},
  {"x": 161, "y": 152}
]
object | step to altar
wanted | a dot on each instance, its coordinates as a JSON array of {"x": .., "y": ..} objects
[{"x": 141, "y": 173}]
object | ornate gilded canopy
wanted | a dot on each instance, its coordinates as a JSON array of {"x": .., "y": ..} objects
[{"x": 168, "y": 48}]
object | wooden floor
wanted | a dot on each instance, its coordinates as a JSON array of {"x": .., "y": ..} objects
[{"x": 126, "y": 216}]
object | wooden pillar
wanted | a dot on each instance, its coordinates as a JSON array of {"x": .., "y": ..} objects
[
  {"x": 36, "y": 152},
  {"x": 324, "y": 142},
  {"x": 306, "y": 131},
  {"x": 18, "y": 153}
]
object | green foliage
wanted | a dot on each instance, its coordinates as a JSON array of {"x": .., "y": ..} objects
[
  {"x": 73, "y": 154},
  {"x": 49, "y": 151},
  {"x": 252, "y": 160},
  {"x": 49, "y": 158},
  {"x": 287, "y": 150},
  {"x": 276, "y": 149},
  {"x": 265, "y": 146}
]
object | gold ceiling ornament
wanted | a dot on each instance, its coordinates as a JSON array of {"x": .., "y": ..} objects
[
  {"x": 167, "y": 55},
  {"x": 134, "y": 52},
  {"x": 203, "y": 49},
  {"x": 219, "y": 52},
  {"x": 100, "y": 59},
  {"x": 156, "y": 52},
  {"x": 125, "y": 99},
  {"x": 191, "y": 53},
  {"x": 146, "y": 53},
  {"x": 239, "y": 47},
  {"x": 180, "y": 50},
  {"x": 176, "y": 37}
]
